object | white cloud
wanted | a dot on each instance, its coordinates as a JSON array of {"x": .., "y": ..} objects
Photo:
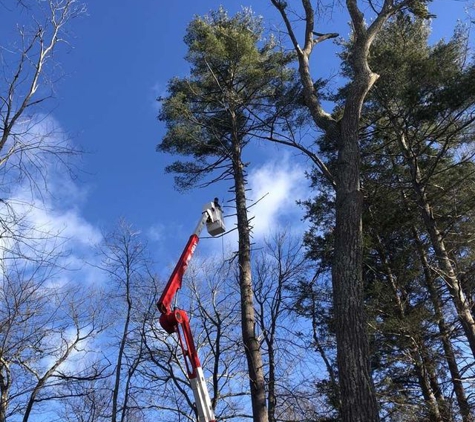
[
  {"x": 74, "y": 227},
  {"x": 47, "y": 214},
  {"x": 275, "y": 188},
  {"x": 156, "y": 232}
]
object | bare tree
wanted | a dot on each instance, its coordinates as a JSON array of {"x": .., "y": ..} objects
[
  {"x": 45, "y": 334},
  {"x": 47, "y": 328},
  {"x": 125, "y": 262},
  {"x": 30, "y": 139},
  {"x": 214, "y": 303},
  {"x": 211, "y": 298},
  {"x": 279, "y": 265},
  {"x": 87, "y": 405}
]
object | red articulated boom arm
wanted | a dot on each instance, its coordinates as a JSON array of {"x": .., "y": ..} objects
[
  {"x": 174, "y": 283},
  {"x": 177, "y": 321}
]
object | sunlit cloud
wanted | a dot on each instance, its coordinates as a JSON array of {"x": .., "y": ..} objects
[
  {"x": 47, "y": 216},
  {"x": 274, "y": 189}
]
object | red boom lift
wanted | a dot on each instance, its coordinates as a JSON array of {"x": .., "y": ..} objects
[{"x": 177, "y": 321}]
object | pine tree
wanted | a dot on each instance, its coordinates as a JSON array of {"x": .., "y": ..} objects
[
  {"x": 417, "y": 182},
  {"x": 229, "y": 98}
]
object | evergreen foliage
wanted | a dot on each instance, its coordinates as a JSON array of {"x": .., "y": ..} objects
[
  {"x": 232, "y": 93},
  {"x": 230, "y": 97},
  {"x": 422, "y": 95}
]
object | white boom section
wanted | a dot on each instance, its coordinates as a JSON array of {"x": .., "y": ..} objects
[{"x": 202, "y": 400}]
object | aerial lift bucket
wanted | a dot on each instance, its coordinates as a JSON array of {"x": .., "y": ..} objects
[{"x": 215, "y": 223}]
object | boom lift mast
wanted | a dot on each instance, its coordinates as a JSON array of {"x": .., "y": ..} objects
[{"x": 177, "y": 321}]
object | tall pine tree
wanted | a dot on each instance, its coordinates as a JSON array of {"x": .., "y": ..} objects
[{"x": 229, "y": 98}]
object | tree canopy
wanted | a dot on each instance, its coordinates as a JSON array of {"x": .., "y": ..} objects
[{"x": 231, "y": 95}]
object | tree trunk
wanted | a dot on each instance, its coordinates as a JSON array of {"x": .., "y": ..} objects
[
  {"x": 444, "y": 330},
  {"x": 427, "y": 392},
  {"x": 121, "y": 351},
  {"x": 356, "y": 384},
  {"x": 248, "y": 320},
  {"x": 272, "y": 394},
  {"x": 5, "y": 382},
  {"x": 447, "y": 271}
]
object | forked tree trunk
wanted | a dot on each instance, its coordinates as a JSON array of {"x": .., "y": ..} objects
[{"x": 356, "y": 385}]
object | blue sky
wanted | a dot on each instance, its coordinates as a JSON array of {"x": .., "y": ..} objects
[{"x": 120, "y": 57}]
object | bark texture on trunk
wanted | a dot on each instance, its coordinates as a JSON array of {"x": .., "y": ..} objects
[
  {"x": 252, "y": 346},
  {"x": 5, "y": 382},
  {"x": 356, "y": 385}
]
